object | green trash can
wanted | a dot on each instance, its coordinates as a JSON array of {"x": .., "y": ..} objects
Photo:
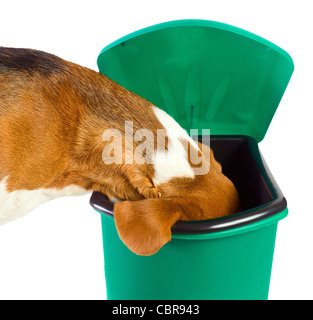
[{"x": 207, "y": 75}]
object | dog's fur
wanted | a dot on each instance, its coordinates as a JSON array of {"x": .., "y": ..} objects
[{"x": 52, "y": 117}]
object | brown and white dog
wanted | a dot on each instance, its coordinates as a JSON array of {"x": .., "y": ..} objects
[{"x": 53, "y": 115}]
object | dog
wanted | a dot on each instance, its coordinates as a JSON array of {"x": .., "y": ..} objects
[{"x": 57, "y": 120}]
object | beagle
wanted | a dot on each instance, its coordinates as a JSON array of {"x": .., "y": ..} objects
[{"x": 57, "y": 121}]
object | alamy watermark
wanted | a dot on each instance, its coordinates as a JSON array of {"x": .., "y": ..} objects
[{"x": 138, "y": 147}]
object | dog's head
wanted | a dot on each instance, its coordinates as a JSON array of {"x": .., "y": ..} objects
[{"x": 145, "y": 225}]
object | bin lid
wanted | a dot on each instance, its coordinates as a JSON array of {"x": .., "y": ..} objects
[{"x": 205, "y": 74}]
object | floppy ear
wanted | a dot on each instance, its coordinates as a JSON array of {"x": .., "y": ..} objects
[{"x": 145, "y": 225}]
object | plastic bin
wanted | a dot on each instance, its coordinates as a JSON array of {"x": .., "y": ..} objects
[{"x": 207, "y": 75}]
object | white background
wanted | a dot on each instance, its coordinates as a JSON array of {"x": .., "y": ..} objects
[{"x": 56, "y": 251}]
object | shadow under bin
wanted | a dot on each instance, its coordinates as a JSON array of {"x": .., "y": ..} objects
[{"x": 230, "y": 81}]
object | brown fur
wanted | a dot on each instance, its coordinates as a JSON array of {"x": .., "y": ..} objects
[{"x": 52, "y": 117}]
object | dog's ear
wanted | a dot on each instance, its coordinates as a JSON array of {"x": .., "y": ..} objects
[{"x": 145, "y": 226}]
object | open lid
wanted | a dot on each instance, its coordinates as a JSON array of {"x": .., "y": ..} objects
[{"x": 205, "y": 74}]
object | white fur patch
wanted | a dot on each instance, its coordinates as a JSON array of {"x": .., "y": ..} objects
[
  {"x": 174, "y": 162},
  {"x": 20, "y": 202}
]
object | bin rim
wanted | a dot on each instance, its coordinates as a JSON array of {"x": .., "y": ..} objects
[
  {"x": 242, "y": 222},
  {"x": 221, "y": 234}
]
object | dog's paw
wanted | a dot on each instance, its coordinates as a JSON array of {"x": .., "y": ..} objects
[
  {"x": 142, "y": 183},
  {"x": 149, "y": 192}
]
